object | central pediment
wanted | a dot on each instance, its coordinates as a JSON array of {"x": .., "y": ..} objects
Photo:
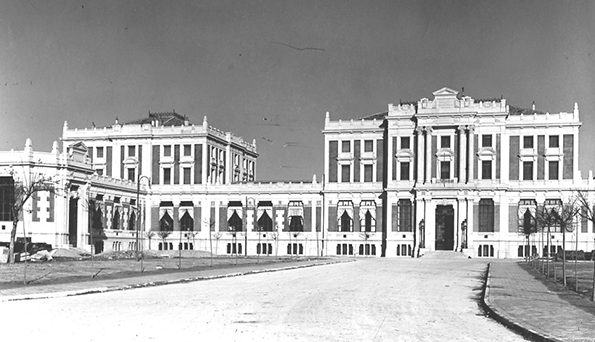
[{"x": 445, "y": 92}]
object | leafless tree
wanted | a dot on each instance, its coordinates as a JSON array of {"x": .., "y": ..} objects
[{"x": 587, "y": 212}]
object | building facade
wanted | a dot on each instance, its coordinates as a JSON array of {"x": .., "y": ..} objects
[{"x": 447, "y": 173}]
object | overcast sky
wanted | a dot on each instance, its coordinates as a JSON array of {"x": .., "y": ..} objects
[{"x": 270, "y": 70}]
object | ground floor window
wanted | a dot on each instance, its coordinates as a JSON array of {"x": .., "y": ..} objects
[
  {"x": 295, "y": 248},
  {"x": 485, "y": 251},
  {"x": 553, "y": 250},
  {"x": 234, "y": 248},
  {"x": 404, "y": 250},
  {"x": 117, "y": 246},
  {"x": 264, "y": 248},
  {"x": 367, "y": 249},
  {"x": 527, "y": 251},
  {"x": 344, "y": 249},
  {"x": 185, "y": 246},
  {"x": 166, "y": 246}
]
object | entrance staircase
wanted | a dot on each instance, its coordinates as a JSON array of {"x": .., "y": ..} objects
[{"x": 444, "y": 255}]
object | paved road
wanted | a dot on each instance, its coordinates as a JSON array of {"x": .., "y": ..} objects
[{"x": 367, "y": 300}]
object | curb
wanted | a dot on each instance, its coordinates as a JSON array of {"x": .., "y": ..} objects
[
  {"x": 506, "y": 320},
  {"x": 157, "y": 283}
]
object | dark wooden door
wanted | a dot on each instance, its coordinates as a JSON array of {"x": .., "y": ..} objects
[{"x": 445, "y": 227}]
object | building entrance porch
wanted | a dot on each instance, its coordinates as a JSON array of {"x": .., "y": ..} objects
[{"x": 444, "y": 228}]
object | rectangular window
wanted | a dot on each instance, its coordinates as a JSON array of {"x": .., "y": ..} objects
[
  {"x": 553, "y": 170},
  {"x": 131, "y": 151},
  {"x": 486, "y": 140},
  {"x": 367, "y": 173},
  {"x": 368, "y": 146},
  {"x": 166, "y": 176},
  {"x": 186, "y": 172},
  {"x": 528, "y": 142},
  {"x": 345, "y": 146},
  {"x": 99, "y": 152},
  {"x": 167, "y": 150},
  {"x": 486, "y": 169},
  {"x": 445, "y": 170},
  {"x": 445, "y": 141},
  {"x": 554, "y": 141},
  {"x": 404, "y": 170},
  {"x": 187, "y": 150},
  {"x": 99, "y": 172},
  {"x": 405, "y": 143},
  {"x": 345, "y": 174},
  {"x": 404, "y": 215},
  {"x": 486, "y": 216},
  {"x": 6, "y": 198},
  {"x": 132, "y": 174},
  {"x": 528, "y": 170}
]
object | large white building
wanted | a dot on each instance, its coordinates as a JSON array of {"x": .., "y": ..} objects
[{"x": 446, "y": 173}]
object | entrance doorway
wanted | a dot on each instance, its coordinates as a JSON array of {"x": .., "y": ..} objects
[{"x": 445, "y": 215}]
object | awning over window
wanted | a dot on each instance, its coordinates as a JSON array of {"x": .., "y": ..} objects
[
  {"x": 261, "y": 210},
  {"x": 183, "y": 210},
  {"x": 344, "y": 207},
  {"x": 163, "y": 210},
  {"x": 364, "y": 210},
  {"x": 231, "y": 210},
  {"x": 295, "y": 208}
]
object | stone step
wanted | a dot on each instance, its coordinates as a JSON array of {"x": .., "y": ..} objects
[{"x": 444, "y": 255}]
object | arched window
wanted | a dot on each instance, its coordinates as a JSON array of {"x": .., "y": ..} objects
[
  {"x": 186, "y": 222},
  {"x": 345, "y": 223},
  {"x": 116, "y": 219},
  {"x": 265, "y": 223},
  {"x": 166, "y": 223},
  {"x": 132, "y": 221},
  {"x": 296, "y": 224},
  {"x": 235, "y": 222}
]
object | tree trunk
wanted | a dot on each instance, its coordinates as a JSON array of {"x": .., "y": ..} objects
[{"x": 13, "y": 234}]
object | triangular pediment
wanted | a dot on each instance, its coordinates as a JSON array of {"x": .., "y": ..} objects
[
  {"x": 79, "y": 146},
  {"x": 445, "y": 92}
]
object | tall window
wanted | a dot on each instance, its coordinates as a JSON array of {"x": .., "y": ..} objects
[
  {"x": 131, "y": 151},
  {"x": 404, "y": 170},
  {"x": 445, "y": 170},
  {"x": 553, "y": 170},
  {"x": 486, "y": 215},
  {"x": 404, "y": 215},
  {"x": 166, "y": 175},
  {"x": 554, "y": 141},
  {"x": 131, "y": 174},
  {"x": 296, "y": 224},
  {"x": 405, "y": 143},
  {"x": 528, "y": 142},
  {"x": 345, "y": 225},
  {"x": 528, "y": 170},
  {"x": 367, "y": 173},
  {"x": 6, "y": 198},
  {"x": 486, "y": 140},
  {"x": 367, "y": 216},
  {"x": 166, "y": 223},
  {"x": 116, "y": 219},
  {"x": 132, "y": 221},
  {"x": 345, "y": 215},
  {"x": 235, "y": 222},
  {"x": 486, "y": 169},
  {"x": 186, "y": 172},
  {"x": 345, "y": 176},
  {"x": 368, "y": 145}
]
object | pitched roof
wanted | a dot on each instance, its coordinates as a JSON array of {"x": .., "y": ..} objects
[{"x": 164, "y": 118}]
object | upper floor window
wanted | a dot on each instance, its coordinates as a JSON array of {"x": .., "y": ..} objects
[
  {"x": 368, "y": 146},
  {"x": 445, "y": 170},
  {"x": 445, "y": 141},
  {"x": 132, "y": 174},
  {"x": 486, "y": 140},
  {"x": 167, "y": 150},
  {"x": 528, "y": 170},
  {"x": 486, "y": 169},
  {"x": 528, "y": 142},
  {"x": 368, "y": 171},
  {"x": 99, "y": 152},
  {"x": 553, "y": 170},
  {"x": 345, "y": 146},
  {"x": 345, "y": 174},
  {"x": 187, "y": 150},
  {"x": 554, "y": 141},
  {"x": 166, "y": 175},
  {"x": 405, "y": 143},
  {"x": 131, "y": 151},
  {"x": 404, "y": 170}
]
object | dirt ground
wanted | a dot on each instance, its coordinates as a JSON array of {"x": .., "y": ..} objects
[
  {"x": 581, "y": 272},
  {"x": 76, "y": 265}
]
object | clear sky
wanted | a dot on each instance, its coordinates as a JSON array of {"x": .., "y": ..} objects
[{"x": 270, "y": 70}]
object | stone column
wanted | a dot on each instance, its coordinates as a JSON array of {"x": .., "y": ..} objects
[
  {"x": 428, "y": 139},
  {"x": 419, "y": 131},
  {"x": 462, "y": 154},
  {"x": 471, "y": 154}
]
